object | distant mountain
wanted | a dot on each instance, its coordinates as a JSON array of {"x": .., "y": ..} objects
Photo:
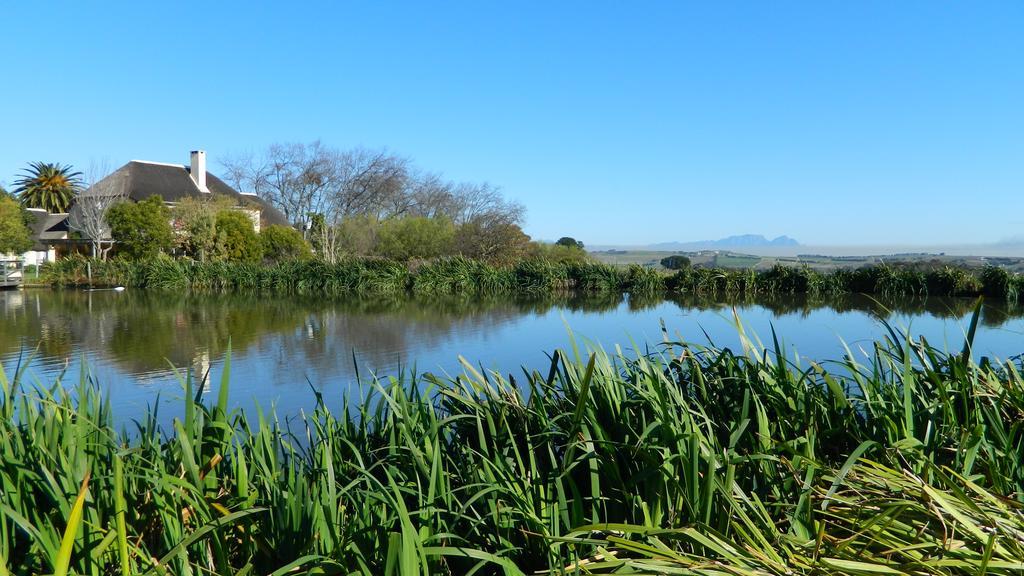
[{"x": 741, "y": 241}]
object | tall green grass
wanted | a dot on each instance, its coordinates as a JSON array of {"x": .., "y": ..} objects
[
  {"x": 458, "y": 275},
  {"x": 694, "y": 460}
]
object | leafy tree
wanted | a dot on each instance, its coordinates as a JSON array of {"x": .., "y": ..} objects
[
  {"x": 284, "y": 243},
  {"x": 676, "y": 262},
  {"x": 195, "y": 221},
  {"x": 15, "y": 235},
  {"x": 415, "y": 237},
  {"x": 51, "y": 187},
  {"x": 141, "y": 229},
  {"x": 569, "y": 242},
  {"x": 236, "y": 237}
]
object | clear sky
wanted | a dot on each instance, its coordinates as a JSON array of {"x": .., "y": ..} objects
[{"x": 614, "y": 122}]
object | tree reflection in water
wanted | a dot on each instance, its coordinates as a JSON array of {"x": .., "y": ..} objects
[{"x": 147, "y": 332}]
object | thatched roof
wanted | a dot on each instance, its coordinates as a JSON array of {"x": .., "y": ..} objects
[
  {"x": 139, "y": 180},
  {"x": 47, "y": 227}
]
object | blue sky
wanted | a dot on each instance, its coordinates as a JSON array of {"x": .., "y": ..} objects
[{"x": 614, "y": 122}]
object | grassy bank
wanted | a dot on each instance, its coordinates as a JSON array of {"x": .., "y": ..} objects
[
  {"x": 462, "y": 275},
  {"x": 693, "y": 461}
]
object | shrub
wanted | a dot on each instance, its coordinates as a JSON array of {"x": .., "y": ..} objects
[
  {"x": 141, "y": 229},
  {"x": 356, "y": 236},
  {"x": 282, "y": 243},
  {"x": 195, "y": 221},
  {"x": 415, "y": 237},
  {"x": 236, "y": 237}
]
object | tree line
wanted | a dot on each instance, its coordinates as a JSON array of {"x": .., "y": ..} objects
[
  {"x": 342, "y": 203},
  {"x": 365, "y": 202}
]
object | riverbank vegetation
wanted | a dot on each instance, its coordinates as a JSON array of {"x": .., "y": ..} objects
[
  {"x": 546, "y": 273},
  {"x": 693, "y": 460}
]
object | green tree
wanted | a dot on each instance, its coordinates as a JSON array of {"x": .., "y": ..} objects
[
  {"x": 282, "y": 243},
  {"x": 141, "y": 229},
  {"x": 15, "y": 235},
  {"x": 676, "y": 262},
  {"x": 195, "y": 221},
  {"x": 356, "y": 235},
  {"x": 236, "y": 237},
  {"x": 415, "y": 237},
  {"x": 51, "y": 187},
  {"x": 569, "y": 242}
]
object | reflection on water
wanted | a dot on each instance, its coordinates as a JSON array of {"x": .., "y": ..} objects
[{"x": 130, "y": 340}]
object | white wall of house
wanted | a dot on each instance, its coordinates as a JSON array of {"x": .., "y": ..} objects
[
  {"x": 33, "y": 257},
  {"x": 39, "y": 257},
  {"x": 253, "y": 215}
]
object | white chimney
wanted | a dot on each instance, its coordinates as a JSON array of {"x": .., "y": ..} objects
[{"x": 199, "y": 169}]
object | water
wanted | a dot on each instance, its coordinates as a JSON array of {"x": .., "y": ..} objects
[{"x": 285, "y": 347}]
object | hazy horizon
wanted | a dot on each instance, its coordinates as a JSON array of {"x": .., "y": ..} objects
[
  {"x": 871, "y": 123},
  {"x": 990, "y": 250}
]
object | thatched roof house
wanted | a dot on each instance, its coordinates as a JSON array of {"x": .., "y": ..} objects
[
  {"x": 140, "y": 179},
  {"x": 136, "y": 181}
]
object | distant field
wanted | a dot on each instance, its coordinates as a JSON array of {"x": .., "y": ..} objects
[
  {"x": 625, "y": 258},
  {"x": 728, "y": 259},
  {"x": 736, "y": 261}
]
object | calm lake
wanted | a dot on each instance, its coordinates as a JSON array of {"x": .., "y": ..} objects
[{"x": 283, "y": 347}]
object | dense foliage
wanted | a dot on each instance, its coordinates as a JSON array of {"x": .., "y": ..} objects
[
  {"x": 415, "y": 238},
  {"x": 419, "y": 237},
  {"x": 675, "y": 262},
  {"x": 691, "y": 461},
  {"x": 236, "y": 237},
  {"x": 142, "y": 230},
  {"x": 569, "y": 242},
  {"x": 48, "y": 186},
  {"x": 283, "y": 243},
  {"x": 15, "y": 235},
  {"x": 195, "y": 224}
]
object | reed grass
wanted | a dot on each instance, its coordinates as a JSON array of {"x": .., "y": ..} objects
[
  {"x": 689, "y": 460},
  {"x": 459, "y": 275}
]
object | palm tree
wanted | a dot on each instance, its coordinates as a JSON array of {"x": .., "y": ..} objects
[{"x": 51, "y": 187}]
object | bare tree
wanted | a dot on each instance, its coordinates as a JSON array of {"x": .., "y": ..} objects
[
  {"x": 296, "y": 178},
  {"x": 484, "y": 203},
  {"x": 431, "y": 196},
  {"x": 367, "y": 182},
  {"x": 88, "y": 214},
  {"x": 321, "y": 187}
]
